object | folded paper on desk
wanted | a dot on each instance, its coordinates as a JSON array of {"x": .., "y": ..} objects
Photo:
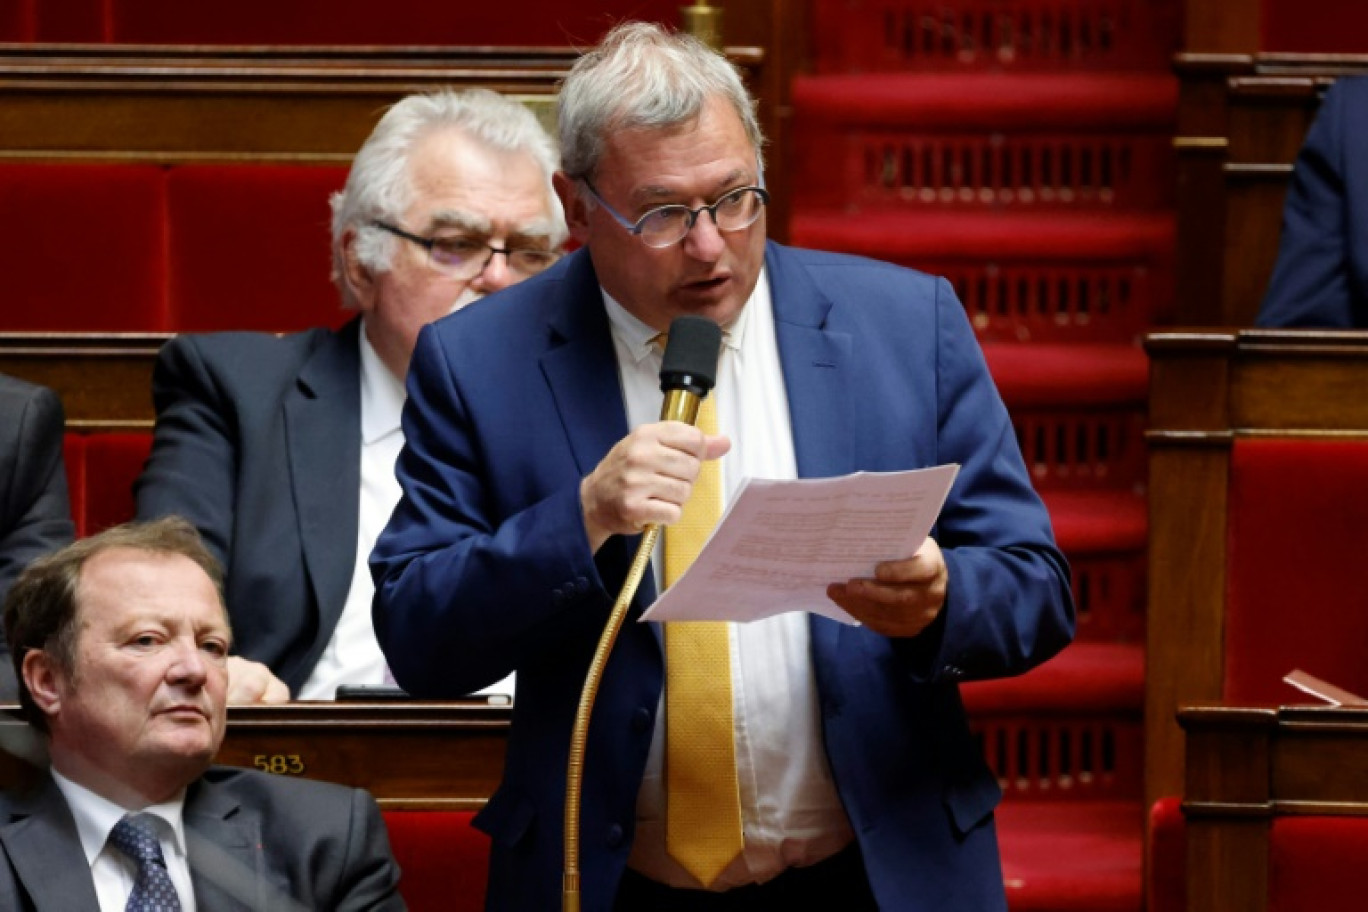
[
  {"x": 1323, "y": 690},
  {"x": 782, "y": 542}
]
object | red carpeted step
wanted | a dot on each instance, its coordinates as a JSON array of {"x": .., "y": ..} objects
[
  {"x": 998, "y": 101},
  {"x": 987, "y": 141},
  {"x": 908, "y": 235},
  {"x": 1030, "y": 376},
  {"x": 1098, "y": 521},
  {"x": 1071, "y": 730},
  {"x": 1016, "y": 35},
  {"x": 1072, "y": 856},
  {"x": 1104, "y": 534},
  {"x": 1071, "y": 277},
  {"x": 1084, "y": 678}
]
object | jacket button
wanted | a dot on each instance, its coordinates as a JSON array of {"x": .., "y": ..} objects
[
  {"x": 614, "y": 836},
  {"x": 641, "y": 720}
]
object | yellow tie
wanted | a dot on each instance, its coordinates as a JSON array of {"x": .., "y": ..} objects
[{"x": 702, "y": 801}]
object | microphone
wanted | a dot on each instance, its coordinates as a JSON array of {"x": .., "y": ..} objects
[
  {"x": 689, "y": 368},
  {"x": 688, "y": 372}
]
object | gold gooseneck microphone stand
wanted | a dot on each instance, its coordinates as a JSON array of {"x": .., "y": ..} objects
[{"x": 679, "y": 405}]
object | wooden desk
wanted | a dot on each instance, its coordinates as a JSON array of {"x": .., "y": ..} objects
[
  {"x": 1208, "y": 388},
  {"x": 409, "y": 755},
  {"x": 1242, "y": 119},
  {"x": 1248, "y": 765},
  {"x": 104, "y": 379}
]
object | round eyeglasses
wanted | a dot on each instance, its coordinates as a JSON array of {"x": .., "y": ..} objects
[
  {"x": 735, "y": 210},
  {"x": 460, "y": 257}
]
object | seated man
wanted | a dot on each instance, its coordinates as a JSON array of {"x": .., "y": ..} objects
[
  {"x": 281, "y": 450},
  {"x": 121, "y": 643},
  {"x": 1321, "y": 277},
  {"x": 35, "y": 515}
]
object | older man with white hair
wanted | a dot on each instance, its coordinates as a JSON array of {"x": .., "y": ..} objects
[{"x": 281, "y": 450}]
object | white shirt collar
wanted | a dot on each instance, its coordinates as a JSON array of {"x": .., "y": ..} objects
[
  {"x": 382, "y": 395},
  {"x": 96, "y": 816},
  {"x": 639, "y": 337}
]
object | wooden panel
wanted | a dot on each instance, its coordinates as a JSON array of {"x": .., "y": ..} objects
[
  {"x": 1247, "y": 766},
  {"x": 1230, "y": 26},
  {"x": 104, "y": 381},
  {"x": 1208, "y": 388},
  {"x": 408, "y": 755},
  {"x": 1242, "y": 120}
]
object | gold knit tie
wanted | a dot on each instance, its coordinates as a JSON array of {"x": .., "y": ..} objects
[{"x": 702, "y": 800}]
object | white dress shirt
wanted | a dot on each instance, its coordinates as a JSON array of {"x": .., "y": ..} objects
[
  {"x": 114, "y": 872},
  {"x": 353, "y": 654},
  {"x": 791, "y": 813}
]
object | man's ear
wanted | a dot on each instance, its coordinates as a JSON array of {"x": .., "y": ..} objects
[
  {"x": 44, "y": 680},
  {"x": 360, "y": 280},
  {"x": 575, "y": 205}
]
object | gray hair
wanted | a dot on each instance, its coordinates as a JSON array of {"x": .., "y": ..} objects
[
  {"x": 378, "y": 186},
  {"x": 642, "y": 76}
]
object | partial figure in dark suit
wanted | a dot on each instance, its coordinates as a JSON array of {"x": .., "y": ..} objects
[
  {"x": 281, "y": 450},
  {"x": 845, "y": 772},
  {"x": 35, "y": 512},
  {"x": 121, "y": 644},
  {"x": 1321, "y": 277}
]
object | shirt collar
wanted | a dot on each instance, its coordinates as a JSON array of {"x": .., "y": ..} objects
[
  {"x": 96, "y": 816},
  {"x": 640, "y": 338},
  {"x": 382, "y": 395}
]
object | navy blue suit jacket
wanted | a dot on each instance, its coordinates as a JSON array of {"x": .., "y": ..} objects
[
  {"x": 1321, "y": 277},
  {"x": 486, "y": 567},
  {"x": 258, "y": 444}
]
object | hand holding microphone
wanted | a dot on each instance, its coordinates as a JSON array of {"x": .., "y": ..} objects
[
  {"x": 646, "y": 477},
  {"x": 641, "y": 483}
]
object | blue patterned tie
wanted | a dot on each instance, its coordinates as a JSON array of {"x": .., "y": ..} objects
[{"x": 153, "y": 891}]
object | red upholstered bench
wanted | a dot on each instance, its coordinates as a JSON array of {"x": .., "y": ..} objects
[
  {"x": 250, "y": 247},
  {"x": 188, "y": 248},
  {"x": 1316, "y": 863},
  {"x": 1295, "y": 590},
  {"x": 443, "y": 859},
  {"x": 101, "y": 469},
  {"x": 84, "y": 247}
]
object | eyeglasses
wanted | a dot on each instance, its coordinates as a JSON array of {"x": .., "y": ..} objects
[
  {"x": 663, "y": 226},
  {"x": 461, "y": 257}
]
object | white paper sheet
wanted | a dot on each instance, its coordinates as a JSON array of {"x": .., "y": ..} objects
[{"x": 782, "y": 542}]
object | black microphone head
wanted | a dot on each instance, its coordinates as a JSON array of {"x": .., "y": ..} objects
[{"x": 690, "y": 361}]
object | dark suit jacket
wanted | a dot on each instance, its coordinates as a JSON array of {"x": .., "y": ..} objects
[
  {"x": 486, "y": 568},
  {"x": 1321, "y": 277},
  {"x": 258, "y": 444},
  {"x": 35, "y": 513},
  {"x": 254, "y": 841}
]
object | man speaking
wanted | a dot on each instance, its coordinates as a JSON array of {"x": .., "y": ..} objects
[{"x": 843, "y": 773}]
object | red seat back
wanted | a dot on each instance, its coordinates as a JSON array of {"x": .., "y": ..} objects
[
  {"x": 443, "y": 859},
  {"x": 85, "y": 247},
  {"x": 250, "y": 247},
  {"x": 101, "y": 469},
  {"x": 1297, "y": 596}
]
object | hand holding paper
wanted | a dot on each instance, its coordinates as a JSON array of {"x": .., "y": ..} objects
[{"x": 781, "y": 544}]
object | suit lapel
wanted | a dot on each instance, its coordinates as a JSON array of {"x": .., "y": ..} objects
[
  {"x": 816, "y": 366},
  {"x": 45, "y": 850},
  {"x": 580, "y": 367},
  {"x": 323, "y": 439},
  {"x": 224, "y": 845}
]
